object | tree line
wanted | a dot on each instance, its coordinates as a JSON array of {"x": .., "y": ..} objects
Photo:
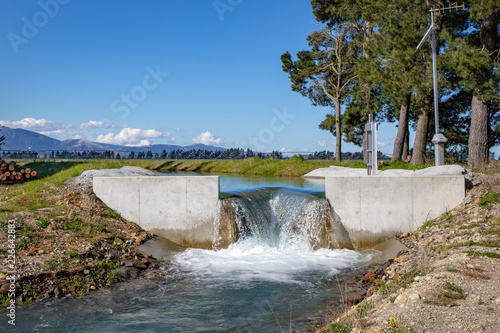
[
  {"x": 363, "y": 60},
  {"x": 232, "y": 153}
]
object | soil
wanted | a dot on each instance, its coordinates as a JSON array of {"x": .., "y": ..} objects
[
  {"x": 448, "y": 280},
  {"x": 69, "y": 249}
]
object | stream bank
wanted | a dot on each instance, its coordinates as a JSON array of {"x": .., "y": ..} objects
[{"x": 448, "y": 280}]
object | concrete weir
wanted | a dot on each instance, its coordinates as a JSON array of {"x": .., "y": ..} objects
[
  {"x": 374, "y": 209},
  {"x": 184, "y": 209},
  {"x": 179, "y": 208}
]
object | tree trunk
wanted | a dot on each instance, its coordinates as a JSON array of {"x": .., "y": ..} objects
[
  {"x": 338, "y": 143},
  {"x": 402, "y": 129},
  {"x": 479, "y": 124},
  {"x": 420, "y": 138},
  {"x": 478, "y": 135},
  {"x": 406, "y": 147}
]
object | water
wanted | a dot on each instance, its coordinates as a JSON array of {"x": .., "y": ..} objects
[
  {"x": 240, "y": 184},
  {"x": 275, "y": 275},
  {"x": 208, "y": 291}
]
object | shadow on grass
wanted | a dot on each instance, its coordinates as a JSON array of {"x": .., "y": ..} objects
[{"x": 47, "y": 168}]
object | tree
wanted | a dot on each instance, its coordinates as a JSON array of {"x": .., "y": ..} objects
[
  {"x": 325, "y": 74},
  {"x": 365, "y": 92},
  {"x": 473, "y": 65},
  {"x": 2, "y": 139}
]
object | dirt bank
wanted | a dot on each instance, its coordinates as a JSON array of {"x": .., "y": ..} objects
[
  {"x": 448, "y": 281},
  {"x": 68, "y": 249}
]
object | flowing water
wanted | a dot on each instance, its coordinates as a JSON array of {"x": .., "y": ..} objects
[{"x": 282, "y": 269}]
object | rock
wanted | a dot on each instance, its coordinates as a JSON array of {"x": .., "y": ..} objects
[
  {"x": 134, "y": 272},
  {"x": 352, "y": 299},
  {"x": 467, "y": 200},
  {"x": 414, "y": 297},
  {"x": 369, "y": 277},
  {"x": 139, "y": 264},
  {"x": 475, "y": 299},
  {"x": 419, "y": 278},
  {"x": 58, "y": 293},
  {"x": 497, "y": 300},
  {"x": 400, "y": 299},
  {"x": 120, "y": 272},
  {"x": 128, "y": 263},
  {"x": 394, "y": 276},
  {"x": 139, "y": 240},
  {"x": 371, "y": 291},
  {"x": 4, "y": 289},
  {"x": 86, "y": 271},
  {"x": 2, "y": 276},
  {"x": 86, "y": 178},
  {"x": 113, "y": 254}
]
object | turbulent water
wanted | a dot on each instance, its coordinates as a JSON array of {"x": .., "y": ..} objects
[{"x": 274, "y": 275}]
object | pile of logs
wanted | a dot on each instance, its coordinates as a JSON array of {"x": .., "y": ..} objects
[{"x": 11, "y": 172}]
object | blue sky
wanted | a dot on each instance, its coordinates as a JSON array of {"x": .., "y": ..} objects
[{"x": 145, "y": 72}]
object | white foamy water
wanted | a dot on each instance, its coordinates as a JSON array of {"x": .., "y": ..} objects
[{"x": 249, "y": 261}]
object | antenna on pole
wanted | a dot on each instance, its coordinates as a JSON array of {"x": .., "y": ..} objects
[{"x": 439, "y": 139}]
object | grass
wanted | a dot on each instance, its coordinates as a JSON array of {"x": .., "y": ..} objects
[
  {"x": 338, "y": 328},
  {"x": 364, "y": 308},
  {"x": 42, "y": 222},
  {"x": 453, "y": 292},
  {"x": 487, "y": 200},
  {"x": 295, "y": 166},
  {"x": 397, "y": 164},
  {"x": 403, "y": 282},
  {"x": 31, "y": 196}
]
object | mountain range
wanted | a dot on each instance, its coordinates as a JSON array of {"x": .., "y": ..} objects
[{"x": 21, "y": 140}]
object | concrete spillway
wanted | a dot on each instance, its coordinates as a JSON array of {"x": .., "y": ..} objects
[{"x": 187, "y": 210}]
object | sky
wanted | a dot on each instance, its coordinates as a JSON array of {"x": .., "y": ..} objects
[{"x": 174, "y": 72}]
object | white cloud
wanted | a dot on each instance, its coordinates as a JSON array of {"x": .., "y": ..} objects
[
  {"x": 323, "y": 143},
  {"x": 381, "y": 144},
  {"x": 207, "y": 138},
  {"x": 132, "y": 137},
  {"x": 285, "y": 150},
  {"x": 98, "y": 124},
  {"x": 36, "y": 125}
]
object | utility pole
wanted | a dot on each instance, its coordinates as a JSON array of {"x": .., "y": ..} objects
[{"x": 438, "y": 139}]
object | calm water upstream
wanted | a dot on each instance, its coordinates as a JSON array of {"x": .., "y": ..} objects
[{"x": 258, "y": 284}]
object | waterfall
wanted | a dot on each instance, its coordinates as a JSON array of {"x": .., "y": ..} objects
[{"x": 279, "y": 218}]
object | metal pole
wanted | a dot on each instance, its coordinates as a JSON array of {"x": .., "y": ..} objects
[{"x": 434, "y": 76}]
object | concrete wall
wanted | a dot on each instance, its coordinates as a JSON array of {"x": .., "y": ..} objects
[
  {"x": 375, "y": 208},
  {"x": 179, "y": 208}
]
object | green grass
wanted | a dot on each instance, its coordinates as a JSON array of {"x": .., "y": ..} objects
[
  {"x": 42, "y": 222},
  {"x": 397, "y": 164},
  {"x": 488, "y": 199},
  {"x": 491, "y": 255},
  {"x": 111, "y": 213},
  {"x": 23, "y": 243},
  {"x": 295, "y": 166},
  {"x": 26, "y": 196},
  {"x": 338, "y": 328},
  {"x": 453, "y": 292},
  {"x": 364, "y": 308}
]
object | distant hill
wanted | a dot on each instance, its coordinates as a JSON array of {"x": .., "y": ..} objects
[{"x": 20, "y": 139}]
